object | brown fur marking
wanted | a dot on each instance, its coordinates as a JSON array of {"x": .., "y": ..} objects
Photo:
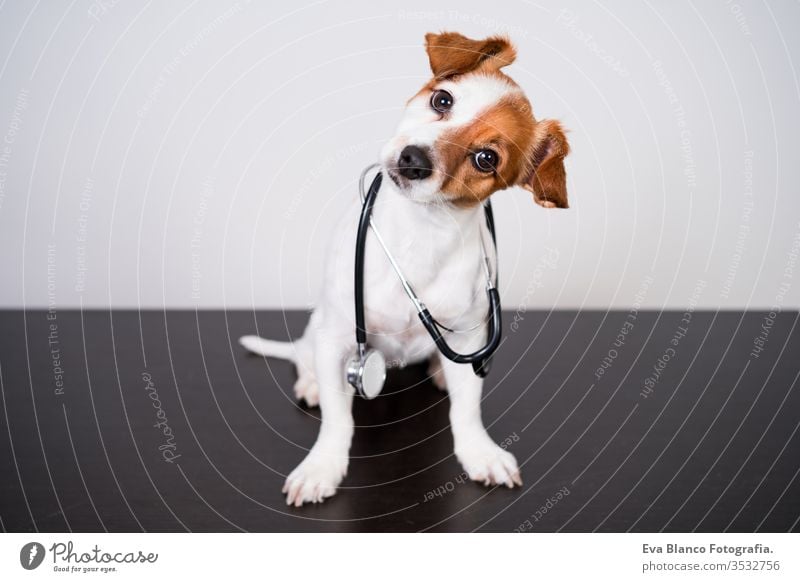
[
  {"x": 506, "y": 128},
  {"x": 531, "y": 153},
  {"x": 452, "y": 54}
]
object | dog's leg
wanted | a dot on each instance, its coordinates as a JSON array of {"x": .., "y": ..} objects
[
  {"x": 306, "y": 387},
  {"x": 481, "y": 458},
  {"x": 326, "y": 463},
  {"x": 299, "y": 352},
  {"x": 435, "y": 371}
]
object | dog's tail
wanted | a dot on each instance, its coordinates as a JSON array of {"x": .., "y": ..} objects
[{"x": 270, "y": 348}]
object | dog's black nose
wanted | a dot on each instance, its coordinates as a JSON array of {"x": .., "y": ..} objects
[{"x": 414, "y": 163}]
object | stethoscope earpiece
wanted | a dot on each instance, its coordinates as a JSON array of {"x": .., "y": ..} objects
[{"x": 482, "y": 367}]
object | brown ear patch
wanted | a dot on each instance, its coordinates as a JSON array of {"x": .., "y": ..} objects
[
  {"x": 453, "y": 54},
  {"x": 547, "y": 179}
]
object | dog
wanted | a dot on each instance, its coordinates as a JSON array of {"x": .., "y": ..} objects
[{"x": 468, "y": 133}]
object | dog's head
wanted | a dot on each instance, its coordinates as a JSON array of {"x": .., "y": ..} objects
[{"x": 470, "y": 131}]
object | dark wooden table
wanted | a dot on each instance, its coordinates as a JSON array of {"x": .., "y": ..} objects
[{"x": 709, "y": 443}]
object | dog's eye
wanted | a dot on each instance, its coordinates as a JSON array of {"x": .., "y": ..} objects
[
  {"x": 441, "y": 101},
  {"x": 485, "y": 160}
]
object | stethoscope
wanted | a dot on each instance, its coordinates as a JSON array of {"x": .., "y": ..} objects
[{"x": 366, "y": 370}]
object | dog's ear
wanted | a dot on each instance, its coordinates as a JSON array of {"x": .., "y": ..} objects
[
  {"x": 452, "y": 54},
  {"x": 546, "y": 177}
]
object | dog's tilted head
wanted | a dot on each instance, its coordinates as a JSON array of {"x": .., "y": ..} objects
[{"x": 470, "y": 131}]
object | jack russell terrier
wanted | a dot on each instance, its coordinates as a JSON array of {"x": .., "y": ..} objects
[{"x": 466, "y": 134}]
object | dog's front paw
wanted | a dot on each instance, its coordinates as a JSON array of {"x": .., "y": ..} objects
[
  {"x": 489, "y": 464},
  {"x": 315, "y": 478}
]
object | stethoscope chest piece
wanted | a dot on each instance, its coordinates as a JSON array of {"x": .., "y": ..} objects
[{"x": 366, "y": 372}]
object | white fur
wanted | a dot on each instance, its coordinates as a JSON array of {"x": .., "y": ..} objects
[{"x": 438, "y": 248}]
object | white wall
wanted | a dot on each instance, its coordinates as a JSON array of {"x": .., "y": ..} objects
[{"x": 194, "y": 154}]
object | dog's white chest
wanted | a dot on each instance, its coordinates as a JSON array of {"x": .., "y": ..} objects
[
  {"x": 445, "y": 277},
  {"x": 439, "y": 252}
]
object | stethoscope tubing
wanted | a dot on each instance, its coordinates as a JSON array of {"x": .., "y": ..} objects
[
  {"x": 361, "y": 244},
  {"x": 477, "y": 358}
]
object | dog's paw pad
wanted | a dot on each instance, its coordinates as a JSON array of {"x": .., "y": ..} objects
[
  {"x": 491, "y": 465},
  {"x": 315, "y": 479}
]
